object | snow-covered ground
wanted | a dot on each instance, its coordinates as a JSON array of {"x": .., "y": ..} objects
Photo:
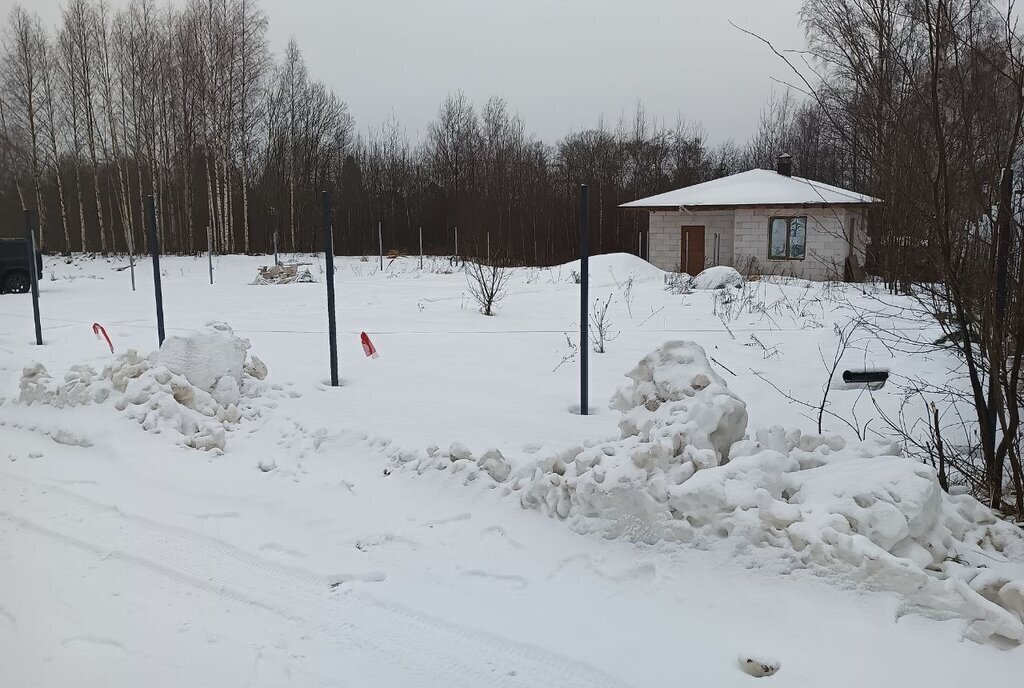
[{"x": 375, "y": 534}]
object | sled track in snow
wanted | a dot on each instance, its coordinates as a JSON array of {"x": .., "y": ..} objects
[{"x": 406, "y": 647}]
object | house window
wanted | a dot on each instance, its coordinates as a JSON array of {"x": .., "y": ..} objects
[{"x": 787, "y": 238}]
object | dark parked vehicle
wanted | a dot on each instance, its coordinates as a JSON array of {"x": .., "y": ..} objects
[{"x": 14, "y": 266}]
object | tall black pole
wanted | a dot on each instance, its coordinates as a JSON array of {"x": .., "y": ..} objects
[
  {"x": 209, "y": 251},
  {"x": 154, "y": 251},
  {"x": 584, "y": 296},
  {"x": 332, "y": 325},
  {"x": 33, "y": 271}
]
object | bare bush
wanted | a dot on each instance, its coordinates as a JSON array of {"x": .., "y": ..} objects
[
  {"x": 601, "y": 325},
  {"x": 626, "y": 290},
  {"x": 678, "y": 283},
  {"x": 488, "y": 284}
]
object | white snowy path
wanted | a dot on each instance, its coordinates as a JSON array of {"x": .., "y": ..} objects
[{"x": 126, "y": 559}]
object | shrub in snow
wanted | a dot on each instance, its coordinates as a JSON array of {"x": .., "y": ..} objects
[
  {"x": 488, "y": 284},
  {"x": 198, "y": 386},
  {"x": 678, "y": 283}
]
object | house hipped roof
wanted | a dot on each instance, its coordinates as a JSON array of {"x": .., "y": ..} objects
[{"x": 754, "y": 187}]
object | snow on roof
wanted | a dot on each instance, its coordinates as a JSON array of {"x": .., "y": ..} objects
[{"x": 753, "y": 187}]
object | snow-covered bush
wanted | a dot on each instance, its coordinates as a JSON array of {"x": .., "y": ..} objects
[
  {"x": 198, "y": 385},
  {"x": 717, "y": 277}
]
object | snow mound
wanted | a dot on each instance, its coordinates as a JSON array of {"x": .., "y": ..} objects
[
  {"x": 683, "y": 470},
  {"x": 197, "y": 386},
  {"x": 679, "y": 417},
  {"x": 621, "y": 265},
  {"x": 717, "y": 277}
]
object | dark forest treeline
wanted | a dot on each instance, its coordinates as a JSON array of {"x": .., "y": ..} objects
[{"x": 187, "y": 103}]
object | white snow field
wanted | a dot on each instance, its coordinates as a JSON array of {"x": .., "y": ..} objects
[{"x": 214, "y": 514}]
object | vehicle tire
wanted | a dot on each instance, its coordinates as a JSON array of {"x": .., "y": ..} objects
[{"x": 17, "y": 282}]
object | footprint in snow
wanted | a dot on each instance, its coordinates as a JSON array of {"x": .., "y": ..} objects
[
  {"x": 499, "y": 534},
  {"x": 367, "y": 577}
]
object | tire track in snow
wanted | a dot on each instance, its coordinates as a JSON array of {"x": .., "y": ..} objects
[{"x": 404, "y": 646}]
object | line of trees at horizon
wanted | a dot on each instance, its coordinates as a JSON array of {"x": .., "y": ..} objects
[{"x": 189, "y": 104}]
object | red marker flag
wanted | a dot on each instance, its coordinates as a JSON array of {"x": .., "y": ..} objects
[
  {"x": 98, "y": 330},
  {"x": 368, "y": 348}
]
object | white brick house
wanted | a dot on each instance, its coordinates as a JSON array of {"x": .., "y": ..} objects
[{"x": 759, "y": 221}]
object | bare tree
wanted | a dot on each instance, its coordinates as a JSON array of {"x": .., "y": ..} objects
[
  {"x": 24, "y": 64},
  {"x": 488, "y": 284}
]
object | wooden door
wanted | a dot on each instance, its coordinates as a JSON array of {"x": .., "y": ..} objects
[{"x": 691, "y": 255}]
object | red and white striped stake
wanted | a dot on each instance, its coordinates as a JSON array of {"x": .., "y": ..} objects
[
  {"x": 368, "y": 348},
  {"x": 99, "y": 330}
]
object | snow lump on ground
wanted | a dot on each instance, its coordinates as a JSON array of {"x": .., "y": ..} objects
[
  {"x": 717, "y": 277},
  {"x": 685, "y": 469},
  {"x": 198, "y": 386}
]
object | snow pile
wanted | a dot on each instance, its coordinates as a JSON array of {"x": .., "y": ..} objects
[
  {"x": 830, "y": 505},
  {"x": 717, "y": 277},
  {"x": 197, "y": 386},
  {"x": 683, "y": 470},
  {"x": 678, "y": 417},
  {"x": 205, "y": 356}
]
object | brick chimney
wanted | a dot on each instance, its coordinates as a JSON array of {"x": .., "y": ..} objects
[{"x": 785, "y": 165}]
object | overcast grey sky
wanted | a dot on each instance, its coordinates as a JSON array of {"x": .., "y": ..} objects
[{"x": 559, "y": 63}]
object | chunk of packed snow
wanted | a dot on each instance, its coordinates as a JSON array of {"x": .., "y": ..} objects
[
  {"x": 205, "y": 355},
  {"x": 197, "y": 385},
  {"x": 758, "y": 666},
  {"x": 717, "y": 277}
]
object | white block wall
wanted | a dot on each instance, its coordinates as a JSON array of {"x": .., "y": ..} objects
[
  {"x": 826, "y": 251},
  {"x": 666, "y": 237},
  {"x": 744, "y": 239}
]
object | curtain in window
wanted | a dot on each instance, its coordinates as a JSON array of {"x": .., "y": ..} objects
[{"x": 777, "y": 238}]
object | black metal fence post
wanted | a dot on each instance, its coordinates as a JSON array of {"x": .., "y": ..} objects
[
  {"x": 332, "y": 325},
  {"x": 584, "y": 297},
  {"x": 33, "y": 271},
  {"x": 209, "y": 251},
  {"x": 154, "y": 252}
]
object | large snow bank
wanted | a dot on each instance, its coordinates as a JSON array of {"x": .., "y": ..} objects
[
  {"x": 684, "y": 469},
  {"x": 620, "y": 265},
  {"x": 197, "y": 385}
]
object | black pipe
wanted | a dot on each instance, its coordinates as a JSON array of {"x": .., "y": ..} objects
[
  {"x": 154, "y": 252},
  {"x": 584, "y": 297},
  {"x": 865, "y": 376},
  {"x": 332, "y": 325},
  {"x": 33, "y": 271}
]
